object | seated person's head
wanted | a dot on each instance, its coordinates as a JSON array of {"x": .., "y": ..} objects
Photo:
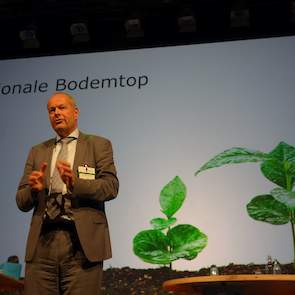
[{"x": 13, "y": 259}]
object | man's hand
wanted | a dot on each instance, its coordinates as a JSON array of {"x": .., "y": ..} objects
[
  {"x": 36, "y": 179},
  {"x": 66, "y": 173}
]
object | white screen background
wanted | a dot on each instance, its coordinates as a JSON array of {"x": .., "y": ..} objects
[{"x": 199, "y": 100}]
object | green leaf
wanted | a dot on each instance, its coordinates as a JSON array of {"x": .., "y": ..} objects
[
  {"x": 291, "y": 169},
  {"x": 285, "y": 197},
  {"x": 172, "y": 196},
  {"x": 274, "y": 171},
  {"x": 186, "y": 241},
  {"x": 283, "y": 152},
  {"x": 162, "y": 223},
  {"x": 235, "y": 155},
  {"x": 152, "y": 247},
  {"x": 266, "y": 208},
  {"x": 280, "y": 166}
]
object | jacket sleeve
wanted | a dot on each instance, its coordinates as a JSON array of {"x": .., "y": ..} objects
[
  {"x": 25, "y": 198},
  {"x": 105, "y": 185}
]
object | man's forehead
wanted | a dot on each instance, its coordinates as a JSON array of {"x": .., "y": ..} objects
[{"x": 59, "y": 99}]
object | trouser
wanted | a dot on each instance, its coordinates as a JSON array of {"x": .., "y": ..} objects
[{"x": 59, "y": 266}]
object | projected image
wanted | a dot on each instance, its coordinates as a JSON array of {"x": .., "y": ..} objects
[
  {"x": 166, "y": 112},
  {"x": 181, "y": 241},
  {"x": 278, "y": 166}
]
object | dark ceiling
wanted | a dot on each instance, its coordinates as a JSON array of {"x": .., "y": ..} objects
[{"x": 157, "y": 21}]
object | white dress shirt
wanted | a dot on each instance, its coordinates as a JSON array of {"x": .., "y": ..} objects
[{"x": 71, "y": 154}]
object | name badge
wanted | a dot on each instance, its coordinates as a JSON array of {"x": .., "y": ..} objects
[{"x": 86, "y": 172}]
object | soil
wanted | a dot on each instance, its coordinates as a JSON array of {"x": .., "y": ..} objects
[{"x": 129, "y": 281}]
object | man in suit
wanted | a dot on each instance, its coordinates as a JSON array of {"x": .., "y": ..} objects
[{"x": 66, "y": 181}]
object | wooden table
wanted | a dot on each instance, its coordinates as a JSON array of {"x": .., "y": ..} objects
[
  {"x": 234, "y": 284},
  {"x": 10, "y": 284}
]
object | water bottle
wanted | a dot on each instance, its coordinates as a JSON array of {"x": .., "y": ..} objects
[
  {"x": 269, "y": 265},
  {"x": 214, "y": 270},
  {"x": 276, "y": 268}
]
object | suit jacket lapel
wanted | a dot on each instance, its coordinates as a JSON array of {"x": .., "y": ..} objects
[
  {"x": 80, "y": 151},
  {"x": 50, "y": 144}
]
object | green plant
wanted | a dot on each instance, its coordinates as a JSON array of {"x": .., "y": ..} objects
[
  {"x": 278, "y": 166},
  {"x": 164, "y": 243}
]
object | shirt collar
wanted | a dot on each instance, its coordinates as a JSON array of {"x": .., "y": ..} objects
[{"x": 74, "y": 135}]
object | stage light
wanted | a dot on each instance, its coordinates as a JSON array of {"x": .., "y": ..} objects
[
  {"x": 133, "y": 28},
  {"x": 186, "y": 24},
  {"x": 79, "y": 32},
  {"x": 240, "y": 15},
  {"x": 29, "y": 39}
]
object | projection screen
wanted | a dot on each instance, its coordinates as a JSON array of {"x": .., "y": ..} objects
[{"x": 167, "y": 111}]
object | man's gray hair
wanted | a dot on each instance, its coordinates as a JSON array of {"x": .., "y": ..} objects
[{"x": 72, "y": 98}]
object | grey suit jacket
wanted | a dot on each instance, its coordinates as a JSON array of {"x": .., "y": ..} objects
[{"x": 88, "y": 196}]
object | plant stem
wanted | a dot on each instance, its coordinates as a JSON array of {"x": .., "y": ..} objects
[
  {"x": 293, "y": 234},
  {"x": 289, "y": 183},
  {"x": 292, "y": 215},
  {"x": 169, "y": 248}
]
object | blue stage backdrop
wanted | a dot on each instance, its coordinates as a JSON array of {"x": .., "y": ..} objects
[{"x": 167, "y": 111}]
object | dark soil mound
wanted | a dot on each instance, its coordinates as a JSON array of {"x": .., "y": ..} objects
[{"x": 128, "y": 281}]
